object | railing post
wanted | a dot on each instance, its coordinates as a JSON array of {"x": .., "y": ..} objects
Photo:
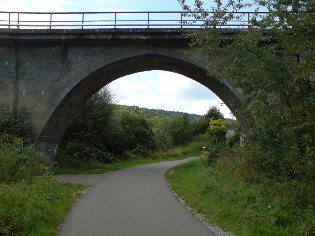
[
  {"x": 18, "y": 23},
  {"x": 115, "y": 20},
  {"x": 9, "y": 20},
  {"x": 248, "y": 20},
  {"x": 82, "y": 22},
  {"x": 50, "y": 20},
  {"x": 148, "y": 20},
  {"x": 181, "y": 20}
]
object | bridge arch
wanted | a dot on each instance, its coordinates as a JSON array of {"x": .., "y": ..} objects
[{"x": 91, "y": 75}]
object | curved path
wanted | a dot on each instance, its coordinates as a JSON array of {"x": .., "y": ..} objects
[{"x": 132, "y": 202}]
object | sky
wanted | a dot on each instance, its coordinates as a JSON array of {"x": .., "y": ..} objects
[{"x": 151, "y": 89}]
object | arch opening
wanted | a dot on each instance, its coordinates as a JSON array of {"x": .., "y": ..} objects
[
  {"x": 164, "y": 90},
  {"x": 60, "y": 118}
]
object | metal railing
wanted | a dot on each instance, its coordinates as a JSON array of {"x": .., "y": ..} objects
[{"x": 141, "y": 19}]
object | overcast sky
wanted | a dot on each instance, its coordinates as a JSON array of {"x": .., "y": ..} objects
[{"x": 152, "y": 89}]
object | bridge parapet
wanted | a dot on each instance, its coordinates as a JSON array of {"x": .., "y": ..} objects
[{"x": 135, "y": 19}]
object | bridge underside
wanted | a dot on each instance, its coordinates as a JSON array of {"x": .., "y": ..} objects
[{"x": 53, "y": 74}]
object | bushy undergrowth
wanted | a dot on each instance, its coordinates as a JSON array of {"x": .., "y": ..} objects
[
  {"x": 192, "y": 149},
  {"x": 18, "y": 163},
  {"x": 71, "y": 165},
  {"x": 236, "y": 197},
  {"x": 36, "y": 208},
  {"x": 31, "y": 201},
  {"x": 14, "y": 125}
]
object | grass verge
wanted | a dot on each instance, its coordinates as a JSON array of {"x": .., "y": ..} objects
[
  {"x": 244, "y": 206},
  {"x": 36, "y": 208},
  {"x": 72, "y": 166},
  {"x": 31, "y": 201}
]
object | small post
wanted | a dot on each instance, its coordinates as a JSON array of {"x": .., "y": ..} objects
[
  {"x": 9, "y": 20},
  {"x": 115, "y": 20},
  {"x": 181, "y": 20},
  {"x": 50, "y": 20},
  {"x": 248, "y": 20},
  {"x": 18, "y": 25},
  {"x": 82, "y": 22},
  {"x": 148, "y": 20}
]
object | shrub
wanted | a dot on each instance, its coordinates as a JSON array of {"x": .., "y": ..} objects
[
  {"x": 232, "y": 195},
  {"x": 234, "y": 138},
  {"x": 217, "y": 129},
  {"x": 35, "y": 208},
  {"x": 14, "y": 124},
  {"x": 181, "y": 130},
  {"x": 18, "y": 163},
  {"x": 76, "y": 154}
]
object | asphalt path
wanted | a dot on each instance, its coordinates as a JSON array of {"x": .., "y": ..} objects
[{"x": 130, "y": 202}]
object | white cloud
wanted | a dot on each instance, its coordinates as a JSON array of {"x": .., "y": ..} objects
[
  {"x": 182, "y": 87},
  {"x": 196, "y": 106},
  {"x": 89, "y": 5},
  {"x": 62, "y": 6},
  {"x": 36, "y": 5},
  {"x": 66, "y": 5},
  {"x": 165, "y": 90}
]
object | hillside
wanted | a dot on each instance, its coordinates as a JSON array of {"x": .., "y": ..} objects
[{"x": 161, "y": 112}]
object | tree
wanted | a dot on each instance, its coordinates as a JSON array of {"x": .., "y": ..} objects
[
  {"x": 181, "y": 130},
  {"x": 273, "y": 64},
  {"x": 214, "y": 113},
  {"x": 217, "y": 129},
  {"x": 132, "y": 133},
  {"x": 201, "y": 126},
  {"x": 161, "y": 127},
  {"x": 88, "y": 136}
]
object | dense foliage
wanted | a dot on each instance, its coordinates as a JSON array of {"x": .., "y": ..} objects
[
  {"x": 133, "y": 136},
  {"x": 164, "y": 113},
  {"x": 31, "y": 201},
  {"x": 273, "y": 64},
  {"x": 20, "y": 163},
  {"x": 88, "y": 138},
  {"x": 217, "y": 129},
  {"x": 18, "y": 160},
  {"x": 267, "y": 185},
  {"x": 14, "y": 125},
  {"x": 229, "y": 194},
  {"x": 104, "y": 132}
]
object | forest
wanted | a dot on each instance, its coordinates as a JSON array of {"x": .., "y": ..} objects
[{"x": 105, "y": 132}]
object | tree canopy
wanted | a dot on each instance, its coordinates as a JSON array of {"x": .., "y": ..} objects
[{"x": 272, "y": 62}]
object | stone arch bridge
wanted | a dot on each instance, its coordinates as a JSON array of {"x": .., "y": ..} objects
[{"x": 53, "y": 72}]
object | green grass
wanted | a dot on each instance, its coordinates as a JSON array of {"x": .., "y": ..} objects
[
  {"x": 101, "y": 168},
  {"x": 244, "y": 206},
  {"x": 32, "y": 202},
  {"x": 70, "y": 165},
  {"x": 36, "y": 208}
]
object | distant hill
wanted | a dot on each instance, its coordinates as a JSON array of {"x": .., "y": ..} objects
[{"x": 160, "y": 112}]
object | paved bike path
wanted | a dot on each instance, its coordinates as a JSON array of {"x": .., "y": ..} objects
[{"x": 132, "y": 202}]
